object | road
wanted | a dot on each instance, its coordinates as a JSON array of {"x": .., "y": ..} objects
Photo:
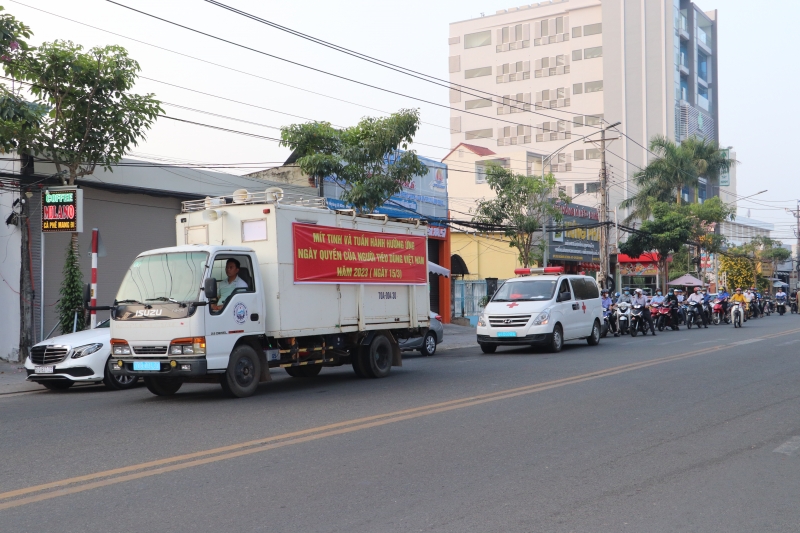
[{"x": 687, "y": 431}]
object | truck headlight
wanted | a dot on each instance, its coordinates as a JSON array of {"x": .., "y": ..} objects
[
  {"x": 188, "y": 346},
  {"x": 120, "y": 347},
  {"x": 543, "y": 318},
  {"x": 86, "y": 349}
]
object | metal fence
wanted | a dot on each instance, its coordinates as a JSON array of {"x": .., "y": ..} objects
[{"x": 467, "y": 296}]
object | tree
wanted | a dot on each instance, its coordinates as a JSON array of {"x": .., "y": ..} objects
[
  {"x": 71, "y": 294},
  {"x": 523, "y": 206},
  {"x": 672, "y": 226},
  {"x": 738, "y": 268},
  {"x": 365, "y": 159},
  {"x": 94, "y": 118},
  {"x": 676, "y": 166}
]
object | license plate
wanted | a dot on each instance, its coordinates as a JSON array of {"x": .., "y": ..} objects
[
  {"x": 45, "y": 369},
  {"x": 506, "y": 333},
  {"x": 146, "y": 365}
]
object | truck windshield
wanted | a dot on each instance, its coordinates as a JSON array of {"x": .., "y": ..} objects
[
  {"x": 528, "y": 290},
  {"x": 167, "y": 277}
]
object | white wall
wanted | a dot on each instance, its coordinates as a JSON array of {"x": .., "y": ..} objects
[{"x": 9, "y": 279}]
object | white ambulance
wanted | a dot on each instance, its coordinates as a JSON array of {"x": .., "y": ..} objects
[{"x": 543, "y": 307}]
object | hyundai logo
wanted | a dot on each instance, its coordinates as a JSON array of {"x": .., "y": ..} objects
[{"x": 507, "y": 321}]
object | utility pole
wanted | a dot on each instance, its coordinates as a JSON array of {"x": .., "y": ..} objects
[
  {"x": 26, "y": 290},
  {"x": 603, "y": 213}
]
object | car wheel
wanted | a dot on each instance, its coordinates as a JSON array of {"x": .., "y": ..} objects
[
  {"x": 428, "y": 344},
  {"x": 556, "y": 339},
  {"x": 243, "y": 374},
  {"x": 307, "y": 371},
  {"x": 120, "y": 382},
  {"x": 594, "y": 338},
  {"x": 488, "y": 348},
  {"x": 162, "y": 386},
  {"x": 61, "y": 384}
]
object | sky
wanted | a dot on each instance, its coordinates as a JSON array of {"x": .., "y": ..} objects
[{"x": 755, "y": 73}]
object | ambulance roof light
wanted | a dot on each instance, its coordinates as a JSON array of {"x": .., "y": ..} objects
[{"x": 539, "y": 271}]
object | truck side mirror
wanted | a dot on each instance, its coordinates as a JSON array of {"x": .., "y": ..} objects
[
  {"x": 87, "y": 294},
  {"x": 210, "y": 288}
]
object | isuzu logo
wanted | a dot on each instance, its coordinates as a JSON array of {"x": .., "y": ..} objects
[{"x": 148, "y": 312}]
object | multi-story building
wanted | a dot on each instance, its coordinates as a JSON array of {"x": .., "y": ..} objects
[{"x": 530, "y": 83}]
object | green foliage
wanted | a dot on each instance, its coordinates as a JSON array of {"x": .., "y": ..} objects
[
  {"x": 675, "y": 167},
  {"x": 71, "y": 293},
  {"x": 523, "y": 205},
  {"x": 12, "y": 35},
  {"x": 364, "y": 158},
  {"x": 93, "y": 117}
]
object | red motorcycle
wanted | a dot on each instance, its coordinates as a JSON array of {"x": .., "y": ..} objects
[
  {"x": 663, "y": 317},
  {"x": 717, "y": 316}
]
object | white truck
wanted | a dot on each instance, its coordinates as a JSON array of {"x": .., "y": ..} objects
[{"x": 262, "y": 280}]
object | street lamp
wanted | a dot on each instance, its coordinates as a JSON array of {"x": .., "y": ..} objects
[{"x": 745, "y": 197}]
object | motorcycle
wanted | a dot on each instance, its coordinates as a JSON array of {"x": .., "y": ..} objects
[
  {"x": 768, "y": 309},
  {"x": 662, "y": 314},
  {"x": 693, "y": 315},
  {"x": 793, "y": 305},
  {"x": 716, "y": 312},
  {"x": 606, "y": 327},
  {"x": 623, "y": 317},
  {"x": 638, "y": 324},
  {"x": 780, "y": 304},
  {"x": 737, "y": 314}
]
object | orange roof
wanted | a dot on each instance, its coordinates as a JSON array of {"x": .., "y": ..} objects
[{"x": 477, "y": 150}]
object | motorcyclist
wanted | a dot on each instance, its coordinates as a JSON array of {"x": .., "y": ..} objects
[
  {"x": 681, "y": 298},
  {"x": 641, "y": 299},
  {"x": 723, "y": 297},
  {"x": 658, "y": 299},
  {"x": 780, "y": 297},
  {"x": 739, "y": 297},
  {"x": 672, "y": 301},
  {"x": 697, "y": 298},
  {"x": 616, "y": 298},
  {"x": 626, "y": 296},
  {"x": 608, "y": 305}
]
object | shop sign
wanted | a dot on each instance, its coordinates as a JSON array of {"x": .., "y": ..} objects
[
  {"x": 638, "y": 269},
  {"x": 578, "y": 244},
  {"x": 62, "y": 210},
  {"x": 324, "y": 254},
  {"x": 437, "y": 232}
]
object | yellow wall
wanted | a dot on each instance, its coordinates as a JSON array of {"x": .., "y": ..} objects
[{"x": 486, "y": 256}]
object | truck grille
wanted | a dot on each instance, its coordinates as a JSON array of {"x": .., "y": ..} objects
[
  {"x": 48, "y": 355},
  {"x": 150, "y": 350},
  {"x": 508, "y": 321}
]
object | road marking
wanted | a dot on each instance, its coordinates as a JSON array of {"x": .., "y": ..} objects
[
  {"x": 747, "y": 341},
  {"x": 788, "y": 343},
  {"x": 180, "y": 462},
  {"x": 789, "y": 447}
]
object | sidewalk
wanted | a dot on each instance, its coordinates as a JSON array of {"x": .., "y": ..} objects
[
  {"x": 12, "y": 379},
  {"x": 458, "y": 337}
]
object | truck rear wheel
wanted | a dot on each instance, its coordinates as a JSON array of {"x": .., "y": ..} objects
[
  {"x": 376, "y": 360},
  {"x": 244, "y": 368},
  {"x": 308, "y": 371},
  {"x": 162, "y": 386}
]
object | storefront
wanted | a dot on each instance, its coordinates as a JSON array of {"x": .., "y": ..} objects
[
  {"x": 639, "y": 272},
  {"x": 576, "y": 249}
]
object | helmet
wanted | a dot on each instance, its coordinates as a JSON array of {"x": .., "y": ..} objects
[
  {"x": 697, "y": 289},
  {"x": 616, "y": 294},
  {"x": 738, "y": 289},
  {"x": 638, "y": 290}
]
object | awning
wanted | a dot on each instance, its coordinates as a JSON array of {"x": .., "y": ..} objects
[
  {"x": 433, "y": 268},
  {"x": 686, "y": 281},
  {"x": 649, "y": 257}
]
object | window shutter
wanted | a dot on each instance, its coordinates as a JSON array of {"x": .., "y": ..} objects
[
  {"x": 499, "y": 133},
  {"x": 551, "y": 27},
  {"x": 526, "y": 32},
  {"x": 455, "y": 124},
  {"x": 499, "y": 36},
  {"x": 566, "y": 24},
  {"x": 527, "y": 98},
  {"x": 526, "y": 66},
  {"x": 455, "y": 96},
  {"x": 537, "y": 30},
  {"x": 538, "y": 64},
  {"x": 455, "y": 63}
]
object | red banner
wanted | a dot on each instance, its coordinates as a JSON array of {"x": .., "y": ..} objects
[{"x": 323, "y": 254}]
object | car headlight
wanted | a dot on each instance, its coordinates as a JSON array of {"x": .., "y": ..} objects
[
  {"x": 543, "y": 318},
  {"x": 86, "y": 349},
  {"x": 482, "y": 321}
]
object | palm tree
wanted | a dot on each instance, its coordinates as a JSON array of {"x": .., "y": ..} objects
[{"x": 676, "y": 166}]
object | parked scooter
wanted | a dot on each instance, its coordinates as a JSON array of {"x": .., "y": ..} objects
[
  {"x": 737, "y": 314},
  {"x": 623, "y": 317},
  {"x": 638, "y": 324}
]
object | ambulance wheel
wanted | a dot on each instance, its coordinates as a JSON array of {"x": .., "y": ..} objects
[
  {"x": 594, "y": 338},
  {"x": 243, "y": 374},
  {"x": 556, "y": 341},
  {"x": 488, "y": 348},
  {"x": 308, "y": 371}
]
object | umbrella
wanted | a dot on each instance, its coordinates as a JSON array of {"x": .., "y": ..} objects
[{"x": 686, "y": 281}]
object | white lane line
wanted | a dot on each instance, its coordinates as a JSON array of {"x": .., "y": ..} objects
[
  {"x": 789, "y": 447},
  {"x": 709, "y": 342},
  {"x": 748, "y": 341},
  {"x": 788, "y": 343}
]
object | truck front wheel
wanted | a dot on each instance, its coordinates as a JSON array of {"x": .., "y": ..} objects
[
  {"x": 376, "y": 360},
  {"x": 244, "y": 369},
  {"x": 162, "y": 386}
]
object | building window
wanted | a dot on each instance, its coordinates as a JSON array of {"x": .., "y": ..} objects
[
  {"x": 593, "y": 29},
  {"x": 455, "y": 63},
  {"x": 474, "y": 40},
  {"x": 559, "y": 25},
  {"x": 702, "y": 97},
  {"x": 577, "y": 88},
  {"x": 592, "y": 188},
  {"x": 578, "y": 155},
  {"x": 476, "y": 104},
  {"x": 592, "y": 153},
  {"x": 480, "y": 168},
  {"x": 578, "y": 189},
  {"x": 576, "y": 32},
  {"x": 591, "y": 53},
  {"x": 702, "y": 66},
  {"x": 593, "y": 120},
  {"x": 577, "y": 121},
  {"x": 593, "y": 86},
  {"x": 478, "y": 134},
  {"x": 478, "y": 72},
  {"x": 577, "y": 55}
]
